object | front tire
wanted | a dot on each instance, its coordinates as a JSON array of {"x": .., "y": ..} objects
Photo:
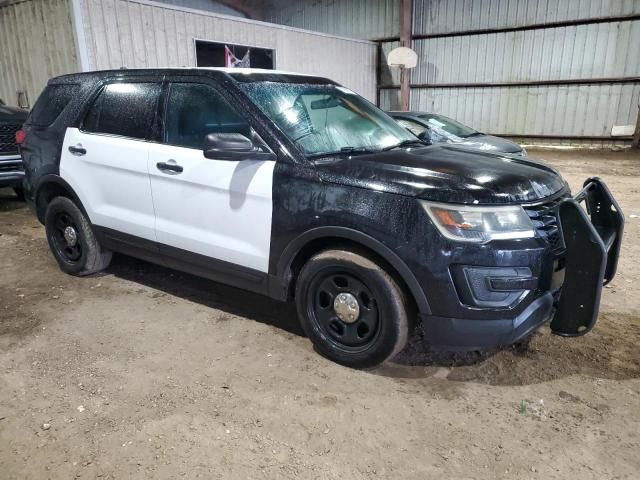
[
  {"x": 71, "y": 239},
  {"x": 352, "y": 310}
]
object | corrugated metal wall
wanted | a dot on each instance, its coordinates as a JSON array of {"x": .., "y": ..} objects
[
  {"x": 574, "y": 52},
  {"x": 34, "y": 47},
  {"x": 574, "y": 110},
  {"x": 440, "y": 16},
  {"x": 139, "y": 34},
  {"x": 368, "y": 19},
  {"x": 583, "y": 52}
]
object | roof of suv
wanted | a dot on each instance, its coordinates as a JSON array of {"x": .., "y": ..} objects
[{"x": 75, "y": 77}]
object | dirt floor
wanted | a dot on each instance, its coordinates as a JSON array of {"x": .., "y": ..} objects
[{"x": 148, "y": 373}]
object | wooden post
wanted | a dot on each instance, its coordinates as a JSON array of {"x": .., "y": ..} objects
[{"x": 406, "y": 31}]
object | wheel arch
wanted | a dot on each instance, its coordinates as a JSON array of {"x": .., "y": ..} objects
[
  {"x": 49, "y": 187},
  {"x": 318, "y": 239}
]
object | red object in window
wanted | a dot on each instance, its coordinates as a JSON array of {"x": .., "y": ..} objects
[{"x": 20, "y": 137}]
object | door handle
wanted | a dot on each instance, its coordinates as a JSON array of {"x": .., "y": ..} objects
[
  {"x": 169, "y": 167},
  {"x": 78, "y": 150}
]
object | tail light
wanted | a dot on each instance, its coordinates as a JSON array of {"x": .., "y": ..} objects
[{"x": 20, "y": 137}]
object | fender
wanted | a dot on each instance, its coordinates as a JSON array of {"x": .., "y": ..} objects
[
  {"x": 57, "y": 180},
  {"x": 283, "y": 268}
]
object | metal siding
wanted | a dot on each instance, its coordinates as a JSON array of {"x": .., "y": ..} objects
[
  {"x": 34, "y": 47},
  {"x": 114, "y": 39},
  {"x": 440, "y": 16},
  {"x": 573, "y": 52},
  {"x": 585, "y": 51},
  {"x": 350, "y": 18},
  {"x": 585, "y": 110}
]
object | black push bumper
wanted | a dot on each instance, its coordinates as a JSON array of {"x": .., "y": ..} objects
[{"x": 592, "y": 241}]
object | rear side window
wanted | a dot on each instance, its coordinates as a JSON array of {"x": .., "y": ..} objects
[
  {"x": 50, "y": 104},
  {"x": 125, "y": 109}
]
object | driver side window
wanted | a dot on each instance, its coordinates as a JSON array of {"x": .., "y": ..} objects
[{"x": 194, "y": 111}]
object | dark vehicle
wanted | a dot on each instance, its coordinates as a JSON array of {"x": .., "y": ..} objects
[
  {"x": 295, "y": 187},
  {"x": 440, "y": 129},
  {"x": 11, "y": 171}
]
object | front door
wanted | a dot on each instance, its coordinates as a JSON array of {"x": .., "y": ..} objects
[
  {"x": 105, "y": 161},
  {"x": 218, "y": 209}
]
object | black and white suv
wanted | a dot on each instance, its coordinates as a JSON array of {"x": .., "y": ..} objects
[{"x": 297, "y": 188}]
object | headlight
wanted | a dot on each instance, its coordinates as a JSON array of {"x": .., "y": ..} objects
[
  {"x": 524, "y": 152},
  {"x": 480, "y": 224}
]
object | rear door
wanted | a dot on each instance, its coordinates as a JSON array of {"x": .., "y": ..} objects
[
  {"x": 105, "y": 160},
  {"x": 205, "y": 207}
]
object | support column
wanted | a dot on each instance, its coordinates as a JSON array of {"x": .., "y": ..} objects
[{"x": 406, "y": 31}]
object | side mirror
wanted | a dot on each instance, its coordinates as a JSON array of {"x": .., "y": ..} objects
[
  {"x": 233, "y": 147},
  {"x": 425, "y": 136}
]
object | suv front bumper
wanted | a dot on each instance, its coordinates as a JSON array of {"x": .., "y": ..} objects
[{"x": 592, "y": 239}]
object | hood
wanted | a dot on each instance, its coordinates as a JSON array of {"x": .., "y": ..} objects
[
  {"x": 13, "y": 114},
  {"x": 446, "y": 173},
  {"x": 491, "y": 143}
]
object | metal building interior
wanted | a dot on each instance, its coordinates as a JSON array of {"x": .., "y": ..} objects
[
  {"x": 245, "y": 274},
  {"x": 563, "y": 73}
]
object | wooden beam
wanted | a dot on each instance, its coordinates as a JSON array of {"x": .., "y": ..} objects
[{"x": 406, "y": 29}]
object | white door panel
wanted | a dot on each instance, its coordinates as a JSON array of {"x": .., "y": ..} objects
[
  {"x": 112, "y": 181},
  {"x": 221, "y": 209}
]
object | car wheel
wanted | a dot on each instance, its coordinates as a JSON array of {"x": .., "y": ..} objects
[
  {"x": 71, "y": 239},
  {"x": 353, "y": 311},
  {"x": 19, "y": 193}
]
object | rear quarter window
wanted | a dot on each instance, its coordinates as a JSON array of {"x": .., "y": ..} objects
[
  {"x": 124, "y": 109},
  {"x": 51, "y": 103}
]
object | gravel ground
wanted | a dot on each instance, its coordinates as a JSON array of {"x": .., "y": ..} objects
[{"x": 145, "y": 372}]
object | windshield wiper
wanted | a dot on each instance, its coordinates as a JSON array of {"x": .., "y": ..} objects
[
  {"x": 404, "y": 143},
  {"x": 344, "y": 151},
  {"x": 356, "y": 150}
]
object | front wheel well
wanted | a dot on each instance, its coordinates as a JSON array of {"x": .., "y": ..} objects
[{"x": 318, "y": 245}]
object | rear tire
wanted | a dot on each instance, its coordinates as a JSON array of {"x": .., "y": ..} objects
[
  {"x": 72, "y": 240},
  {"x": 359, "y": 335}
]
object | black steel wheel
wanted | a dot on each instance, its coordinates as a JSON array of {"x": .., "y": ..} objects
[
  {"x": 71, "y": 239},
  {"x": 344, "y": 308},
  {"x": 352, "y": 309},
  {"x": 64, "y": 236}
]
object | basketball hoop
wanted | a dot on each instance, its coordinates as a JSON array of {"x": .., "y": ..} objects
[{"x": 402, "y": 57}]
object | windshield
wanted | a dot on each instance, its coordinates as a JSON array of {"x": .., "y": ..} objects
[
  {"x": 323, "y": 119},
  {"x": 449, "y": 125}
]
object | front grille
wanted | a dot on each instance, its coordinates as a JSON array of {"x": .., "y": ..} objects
[
  {"x": 8, "y": 139},
  {"x": 545, "y": 220}
]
